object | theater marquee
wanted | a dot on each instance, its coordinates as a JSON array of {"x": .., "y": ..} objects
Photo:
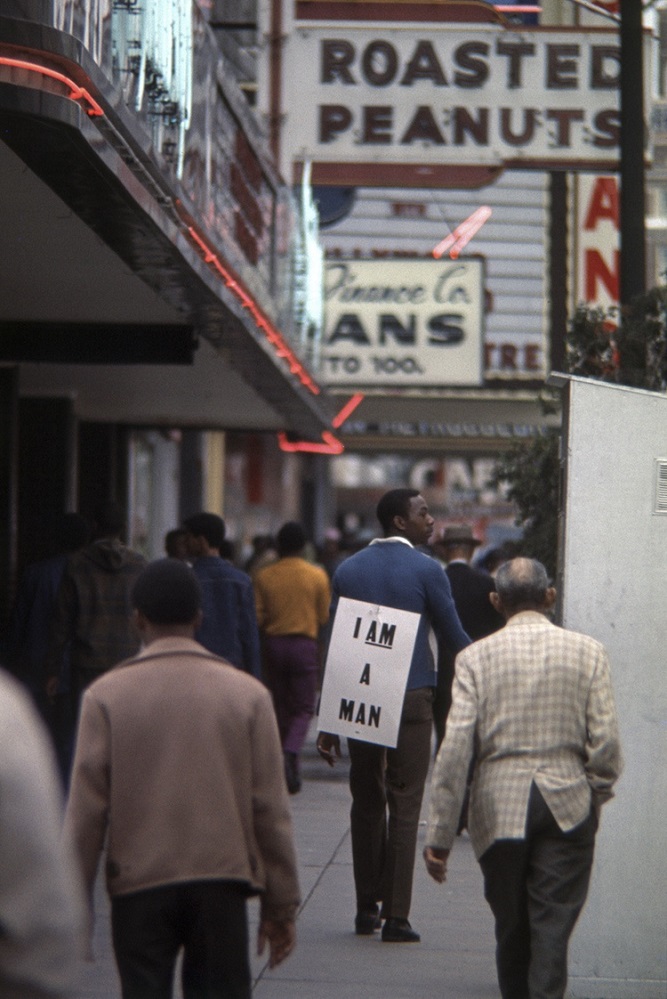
[
  {"x": 473, "y": 95},
  {"x": 402, "y": 323}
]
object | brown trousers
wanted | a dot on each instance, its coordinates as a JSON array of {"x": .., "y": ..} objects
[{"x": 387, "y": 788}]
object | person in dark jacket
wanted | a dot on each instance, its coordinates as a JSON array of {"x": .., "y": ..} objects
[
  {"x": 92, "y": 615},
  {"x": 229, "y": 628},
  {"x": 470, "y": 589},
  {"x": 28, "y": 634}
]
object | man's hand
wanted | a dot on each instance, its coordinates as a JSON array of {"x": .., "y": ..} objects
[
  {"x": 281, "y": 936},
  {"x": 328, "y": 746},
  {"x": 436, "y": 862}
]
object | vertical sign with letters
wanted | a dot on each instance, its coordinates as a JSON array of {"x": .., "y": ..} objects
[
  {"x": 366, "y": 672},
  {"x": 596, "y": 241}
]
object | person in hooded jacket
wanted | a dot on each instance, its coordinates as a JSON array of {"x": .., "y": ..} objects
[
  {"x": 28, "y": 634},
  {"x": 93, "y": 611}
]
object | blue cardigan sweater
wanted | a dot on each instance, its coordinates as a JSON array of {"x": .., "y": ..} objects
[{"x": 390, "y": 571}]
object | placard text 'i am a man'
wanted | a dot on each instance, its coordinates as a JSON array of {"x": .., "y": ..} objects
[{"x": 366, "y": 671}]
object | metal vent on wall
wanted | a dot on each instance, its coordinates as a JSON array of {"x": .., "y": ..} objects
[{"x": 660, "y": 486}]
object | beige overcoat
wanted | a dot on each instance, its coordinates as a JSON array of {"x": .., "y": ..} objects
[{"x": 178, "y": 762}]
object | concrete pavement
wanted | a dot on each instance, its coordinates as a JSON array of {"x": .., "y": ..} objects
[{"x": 455, "y": 959}]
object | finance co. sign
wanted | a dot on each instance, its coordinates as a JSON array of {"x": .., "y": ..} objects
[
  {"x": 403, "y": 322},
  {"x": 482, "y": 94}
]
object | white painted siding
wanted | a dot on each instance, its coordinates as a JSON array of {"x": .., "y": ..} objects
[{"x": 513, "y": 243}]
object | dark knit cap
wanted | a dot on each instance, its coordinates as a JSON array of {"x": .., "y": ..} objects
[{"x": 167, "y": 592}]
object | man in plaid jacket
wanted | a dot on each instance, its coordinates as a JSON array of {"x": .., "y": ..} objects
[{"x": 534, "y": 704}]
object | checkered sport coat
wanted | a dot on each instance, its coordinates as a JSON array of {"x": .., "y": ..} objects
[{"x": 533, "y": 702}]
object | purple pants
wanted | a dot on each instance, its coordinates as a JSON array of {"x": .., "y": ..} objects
[{"x": 292, "y": 672}]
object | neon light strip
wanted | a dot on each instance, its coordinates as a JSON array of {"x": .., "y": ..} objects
[
  {"x": 331, "y": 444},
  {"x": 273, "y": 336},
  {"x": 463, "y": 233},
  {"x": 76, "y": 93},
  {"x": 348, "y": 408}
]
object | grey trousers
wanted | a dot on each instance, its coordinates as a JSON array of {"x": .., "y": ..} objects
[
  {"x": 387, "y": 788},
  {"x": 536, "y": 888}
]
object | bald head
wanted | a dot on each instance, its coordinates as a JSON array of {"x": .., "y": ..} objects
[{"x": 523, "y": 584}]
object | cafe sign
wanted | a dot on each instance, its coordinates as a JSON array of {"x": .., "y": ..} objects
[{"x": 402, "y": 323}]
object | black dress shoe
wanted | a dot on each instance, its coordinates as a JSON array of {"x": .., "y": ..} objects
[
  {"x": 367, "y": 921},
  {"x": 399, "y": 931}
]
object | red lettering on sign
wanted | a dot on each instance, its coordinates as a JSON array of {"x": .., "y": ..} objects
[
  {"x": 408, "y": 209},
  {"x": 596, "y": 269},
  {"x": 603, "y": 203},
  {"x": 532, "y": 357},
  {"x": 510, "y": 357}
]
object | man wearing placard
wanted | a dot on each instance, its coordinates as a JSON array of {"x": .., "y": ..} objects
[{"x": 386, "y": 592}]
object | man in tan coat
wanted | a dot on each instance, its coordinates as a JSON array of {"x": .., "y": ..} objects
[
  {"x": 178, "y": 762},
  {"x": 534, "y": 703}
]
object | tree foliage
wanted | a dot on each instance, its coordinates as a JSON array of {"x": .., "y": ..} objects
[
  {"x": 627, "y": 346},
  {"x": 530, "y": 472}
]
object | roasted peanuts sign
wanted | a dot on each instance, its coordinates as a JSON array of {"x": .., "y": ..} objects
[
  {"x": 403, "y": 322},
  {"x": 482, "y": 95},
  {"x": 367, "y": 671}
]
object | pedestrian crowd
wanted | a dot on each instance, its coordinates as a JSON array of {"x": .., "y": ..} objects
[{"x": 165, "y": 705}]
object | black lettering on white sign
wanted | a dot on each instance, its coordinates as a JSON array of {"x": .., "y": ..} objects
[{"x": 359, "y": 717}]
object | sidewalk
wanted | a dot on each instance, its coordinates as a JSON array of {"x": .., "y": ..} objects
[{"x": 455, "y": 959}]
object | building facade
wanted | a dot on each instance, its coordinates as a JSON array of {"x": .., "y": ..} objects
[
  {"x": 445, "y": 142},
  {"x": 155, "y": 273}
]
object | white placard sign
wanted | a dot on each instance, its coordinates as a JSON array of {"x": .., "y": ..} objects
[{"x": 366, "y": 672}]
